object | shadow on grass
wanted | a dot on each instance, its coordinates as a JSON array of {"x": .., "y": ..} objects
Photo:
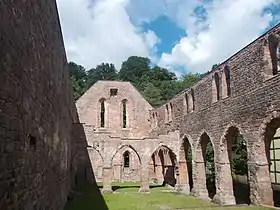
[
  {"x": 87, "y": 197},
  {"x": 117, "y": 187}
]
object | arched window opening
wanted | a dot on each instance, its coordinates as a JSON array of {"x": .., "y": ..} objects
[
  {"x": 102, "y": 113},
  {"x": 191, "y": 100},
  {"x": 170, "y": 111},
  {"x": 274, "y": 49},
  {"x": 126, "y": 159},
  {"x": 274, "y": 158},
  {"x": 278, "y": 58},
  {"x": 124, "y": 117},
  {"x": 192, "y": 94},
  {"x": 156, "y": 120},
  {"x": 216, "y": 88},
  {"x": 166, "y": 113},
  {"x": 186, "y": 103},
  {"x": 227, "y": 78}
]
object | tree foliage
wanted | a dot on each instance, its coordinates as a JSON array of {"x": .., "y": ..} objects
[
  {"x": 156, "y": 84},
  {"x": 239, "y": 156}
]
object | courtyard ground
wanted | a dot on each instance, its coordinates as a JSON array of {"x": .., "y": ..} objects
[{"x": 126, "y": 197}]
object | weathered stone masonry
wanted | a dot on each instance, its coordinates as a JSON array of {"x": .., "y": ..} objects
[
  {"x": 248, "y": 102},
  {"x": 39, "y": 126},
  {"x": 109, "y": 141}
]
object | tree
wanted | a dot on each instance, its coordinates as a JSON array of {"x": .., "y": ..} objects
[
  {"x": 133, "y": 69},
  {"x": 210, "y": 167},
  {"x": 78, "y": 78},
  {"x": 239, "y": 156},
  {"x": 104, "y": 71},
  {"x": 153, "y": 94},
  {"x": 190, "y": 79}
]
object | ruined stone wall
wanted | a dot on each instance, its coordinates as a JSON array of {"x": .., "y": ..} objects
[
  {"x": 137, "y": 109},
  {"x": 37, "y": 111},
  {"x": 254, "y": 100}
]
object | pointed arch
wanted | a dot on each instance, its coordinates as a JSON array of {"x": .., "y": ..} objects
[
  {"x": 125, "y": 147},
  {"x": 226, "y": 83},
  {"x": 205, "y": 165},
  {"x": 216, "y": 88}
]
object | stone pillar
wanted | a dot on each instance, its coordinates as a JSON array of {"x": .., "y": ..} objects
[
  {"x": 182, "y": 184},
  {"x": 107, "y": 180},
  {"x": 199, "y": 181},
  {"x": 258, "y": 171},
  {"x": 145, "y": 182},
  {"x": 260, "y": 184},
  {"x": 224, "y": 185},
  {"x": 159, "y": 174}
]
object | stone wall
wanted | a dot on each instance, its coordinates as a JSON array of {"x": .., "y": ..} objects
[
  {"x": 37, "y": 111},
  {"x": 248, "y": 100},
  {"x": 137, "y": 109}
]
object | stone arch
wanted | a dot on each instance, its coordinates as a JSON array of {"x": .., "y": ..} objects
[
  {"x": 126, "y": 146},
  {"x": 96, "y": 160},
  {"x": 165, "y": 171},
  {"x": 185, "y": 159},
  {"x": 234, "y": 177},
  {"x": 271, "y": 55},
  {"x": 226, "y": 82},
  {"x": 170, "y": 147},
  {"x": 205, "y": 187},
  {"x": 191, "y": 142},
  {"x": 269, "y": 130},
  {"x": 122, "y": 173},
  {"x": 216, "y": 87}
]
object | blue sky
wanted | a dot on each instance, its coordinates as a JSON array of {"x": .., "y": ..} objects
[
  {"x": 182, "y": 35},
  {"x": 168, "y": 32}
]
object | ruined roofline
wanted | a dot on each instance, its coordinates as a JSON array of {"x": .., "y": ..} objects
[
  {"x": 221, "y": 64},
  {"x": 117, "y": 81}
]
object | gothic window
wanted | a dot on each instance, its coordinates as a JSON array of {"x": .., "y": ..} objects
[
  {"x": 226, "y": 82},
  {"x": 170, "y": 111},
  {"x": 124, "y": 116},
  {"x": 274, "y": 51},
  {"x": 126, "y": 159},
  {"x": 191, "y": 100},
  {"x": 216, "y": 88},
  {"x": 275, "y": 158},
  {"x": 102, "y": 113},
  {"x": 166, "y": 113}
]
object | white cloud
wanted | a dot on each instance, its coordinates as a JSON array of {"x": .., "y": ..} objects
[
  {"x": 102, "y": 32},
  {"x": 97, "y": 31},
  {"x": 229, "y": 26}
]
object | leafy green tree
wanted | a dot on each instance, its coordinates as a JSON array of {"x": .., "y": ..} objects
[
  {"x": 190, "y": 79},
  {"x": 104, "y": 71},
  {"x": 78, "y": 78},
  {"x": 239, "y": 156},
  {"x": 210, "y": 166},
  {"x": 153, "y": 94},
  {"x": 133, "y": 69}
]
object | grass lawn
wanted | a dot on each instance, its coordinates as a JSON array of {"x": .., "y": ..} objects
[{"x": 126, "y": 197}]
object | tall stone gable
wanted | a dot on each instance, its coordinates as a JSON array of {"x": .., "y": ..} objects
[{"x": 113, "y": 94}]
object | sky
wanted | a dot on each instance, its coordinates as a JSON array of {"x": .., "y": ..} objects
[{"x": 181, "y": 35}]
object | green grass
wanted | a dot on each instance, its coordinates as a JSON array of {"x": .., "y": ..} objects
[{"x": 126, "y": 197}]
